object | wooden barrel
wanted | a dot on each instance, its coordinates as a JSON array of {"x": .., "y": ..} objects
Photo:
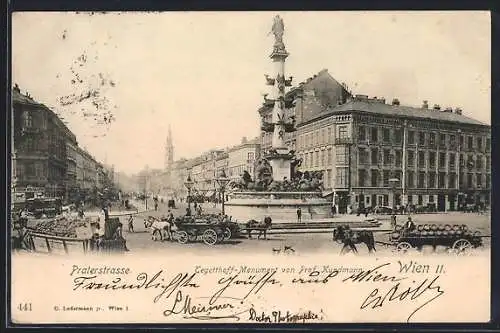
[
  {"x": 420, "y": 227},
  {"x": 439, "y": 233},
  {"x": 434, "y": 227},
  {"x": 431, "y": 233},
  {"x": 464, "y": 227},
  {"x": 427, "y": 227},
  {"x": 447, "y": 227},
  {"x": 456, "y": 227}
]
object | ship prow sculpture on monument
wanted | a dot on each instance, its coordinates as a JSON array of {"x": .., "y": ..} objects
[{"x": 279, "y": 189}]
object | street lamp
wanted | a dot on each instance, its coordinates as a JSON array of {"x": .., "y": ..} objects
[
  {"x": 222, "y": 180},
  {"x": 394, "y": 182},
  {"x": 189, "y": 184}
]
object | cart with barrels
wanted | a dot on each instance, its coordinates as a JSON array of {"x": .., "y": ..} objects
[
  {"x": 457, "y": 238},
  {"x": 210, "y": 231}
]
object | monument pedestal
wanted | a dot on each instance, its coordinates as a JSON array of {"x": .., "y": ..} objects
[{"x": 281, "y": 168}]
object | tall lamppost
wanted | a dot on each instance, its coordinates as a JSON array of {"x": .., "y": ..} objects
[
  {"x": 189, "y": 184},
  {"x": 222, "y": 180},
  {"x": 394, "y": 183}
]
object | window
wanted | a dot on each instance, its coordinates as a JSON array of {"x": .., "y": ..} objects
[
  {"x": 341, "y": 177},
  {"x": 488, "y": 143},
  {"x": 341, "y": 153},
  {"x": 398, "y": 158},
  {"x": 461, "y": 180},
  {"x": 421, "y": 159},
  {"x": 421, "y": 139},
  {"x": 361, "y": 133},
  {"x": 469, "y": 142},
  {"x": 362, "y": 156},
  {"x": 411, "y": 179},
  {"x": 421, "y": 179},
  {"x": 442, "y": 160},
  {"x": 385, "y": 178},
  {"x": 386, "y": 135},
  {"x": 374, "y": 134},
  {"x": 329, "y": 131},
  {"x": 441, "y": 180},
  {"x": 386, "y": 200},
  {"x": 374, "y": 178},
  {"x": 250, "y": 156},
  {"x": 488, "y": 181},
  {"x": 479, "y": 180},
  {"x": 343, "y": 132},
  {"x": 374, "y": 157},
  {"x": 432, "y": 139},
  {"x": 411, "y": 137},
  {"x": 432, "y": 180},
  {"x": 479, "y": 143},
  {"x": 361, "y": 177},
  {"x": 28, "y": 119},
  {"x": 453, "y": 139},
  {"x": 329, "y": 155},
  {"x": 488, "y": 163},
  {"x": 442, "y": 139},
  {"x": 462, "y": 161},
  {"x": 432, "y": 159},
  {"x": 462, "y": 138},
  {"x": 387, "y": 157},
  {"x": 420, "y": 199},
  {"x": 451, "y": 161},
  {"x": 452, "y": 178},
  {"x": 316, "y": 158},
  {"x": 469, "y": 180},
  {"x": 479, "y": 163},
  {"x": 411, "y": 158},
  {"x": 398, "y": 135}
]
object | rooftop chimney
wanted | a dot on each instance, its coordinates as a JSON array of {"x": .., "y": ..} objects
[
  {"x": 436, "y": 107},
  {"x": 16, "y": 88},
  {"x": 244, "y": 139},
  {"x": 425, "y": 105},
  {"x": 395, "y": 101},
  {"x": 458, "y": 111},
  {"x": 448, "y": 109}
]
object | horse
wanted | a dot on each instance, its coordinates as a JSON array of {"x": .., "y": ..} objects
[
  {"x": 344, "y": 234},
  {"x": 262, "y": 227},
  {"x": 159, "y": 227}
]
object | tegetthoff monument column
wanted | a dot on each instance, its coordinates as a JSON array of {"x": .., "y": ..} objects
[{"x": 279, "y": 157}]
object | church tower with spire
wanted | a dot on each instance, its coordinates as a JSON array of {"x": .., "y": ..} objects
[{"x": 169, "y": 151}]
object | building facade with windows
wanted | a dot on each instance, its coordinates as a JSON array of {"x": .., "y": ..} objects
[
  {"x": 243, "y": 158},
  {"x": 373, "y": 153},
  {"x": 39, "y": 155}
]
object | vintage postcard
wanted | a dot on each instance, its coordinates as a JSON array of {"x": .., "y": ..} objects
[{"x": 250, "y": 167}]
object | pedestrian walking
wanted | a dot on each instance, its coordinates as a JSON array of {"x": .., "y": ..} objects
[
  {"x": 299, "y": 215},
  {"x": 393, "y": 221},
  {"x": 131, "y": 224}
]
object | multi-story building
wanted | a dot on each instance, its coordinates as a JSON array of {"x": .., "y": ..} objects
[
  {"x": 374, "y": 153},
  {"x": 39, "y": 156},
  {"x": 304, "y": 102},
  {"x": 242, "y": 158},
  {"x": 72, "y": 187}
]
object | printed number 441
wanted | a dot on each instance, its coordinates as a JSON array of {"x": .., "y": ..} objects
[{"x": 24, "y": 307}]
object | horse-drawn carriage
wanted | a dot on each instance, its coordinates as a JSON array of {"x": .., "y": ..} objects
[
  {"x": 211, "y": 229},
  {"x": 457, "y": 238}
]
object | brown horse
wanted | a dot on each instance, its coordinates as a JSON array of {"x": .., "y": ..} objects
[
  {"x": 261, "y": 227},
  {"x": 349, "y": 237}
]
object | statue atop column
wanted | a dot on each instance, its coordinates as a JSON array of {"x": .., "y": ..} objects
[{"x": 278, "y": 30}]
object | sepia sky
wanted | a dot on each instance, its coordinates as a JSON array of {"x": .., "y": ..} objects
[{"x": 203, "y": 73}]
